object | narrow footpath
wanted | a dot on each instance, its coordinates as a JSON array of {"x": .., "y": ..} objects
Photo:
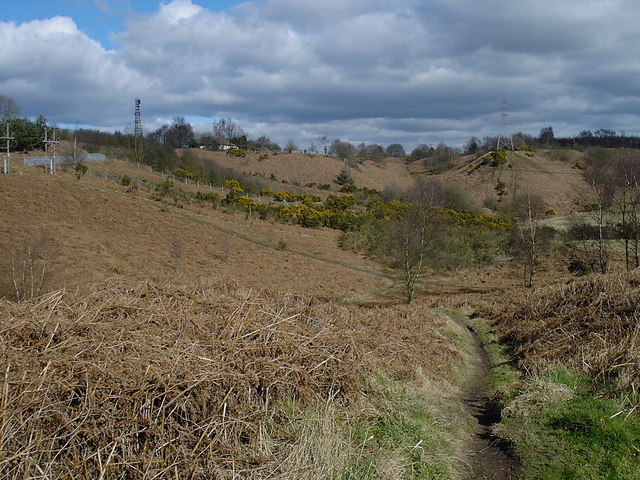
[{"x": 487, "y": 456}]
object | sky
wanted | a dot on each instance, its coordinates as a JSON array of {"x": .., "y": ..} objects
[{"x": 363, "y": 71}]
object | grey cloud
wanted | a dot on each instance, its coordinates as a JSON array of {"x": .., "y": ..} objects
[{"x": 414, "y": 71}]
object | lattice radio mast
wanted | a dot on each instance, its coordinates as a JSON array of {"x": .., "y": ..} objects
[
  {"x": 505, "y": 139},
  {"x": 137, "y": 123},
  {"x": 7, "y": 160}
]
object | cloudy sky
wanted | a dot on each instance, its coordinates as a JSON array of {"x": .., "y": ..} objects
[{"x": 373, "y": 71}]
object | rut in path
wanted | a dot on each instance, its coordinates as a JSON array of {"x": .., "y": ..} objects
[{"x": 488, "y": 457}]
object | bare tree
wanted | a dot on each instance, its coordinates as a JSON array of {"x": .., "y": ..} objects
[
  {"x": 180, "y": 134},
  {"x": 530, "y": 240},
  {"x": 31, "y": 261},
  {"x": 263, "y": 143},
  {"x": 290, "y": 146},
  {"x": 413, "y": 243},
  {"x": 395, "y": 150},
  {"x": 601, "y": 176},
  {"x": 342, "y": 149},
  {"x": 324, "y": 141},
  {"x": 226, "y": 129},
  {"x": 9, "y": 109},
  {"x": 627, "y": 202}
]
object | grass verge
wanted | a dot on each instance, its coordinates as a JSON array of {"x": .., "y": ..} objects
[
  {"x": 405, "y": 432},
  {"x": 400, "y": 431},
  {"x": 564, "y": 426}
]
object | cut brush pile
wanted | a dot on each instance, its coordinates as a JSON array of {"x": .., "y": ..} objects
[{"x": 161, "y": 381}]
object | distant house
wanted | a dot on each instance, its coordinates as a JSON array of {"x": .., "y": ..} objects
[{"x": 224, "y": 145}]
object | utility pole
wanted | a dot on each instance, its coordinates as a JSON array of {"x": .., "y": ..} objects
[
  {"x": 54, "y": 142},
  {"x": 7, "y": 159}
]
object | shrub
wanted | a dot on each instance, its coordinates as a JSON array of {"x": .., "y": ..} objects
[
  {"x": 79, "y": 170},
  {"x": 125, "y": 180},
  {"x": 341, "y": 202},
  {"x": 208, "y": 197},
  {"x": 525, "y": 148},
  {"x": 183, "y": 173},
  {"x": 236, "y": 152},
  {"x": 165, "y": 188},
  {"x": 501, "y": 188},
  {"x": 234, "y": 186},
  {"x": 579, "y": 268},
  {"x": 287, "y": 197},
  {"x": 495, "y": 158},
  {"x": 348, "y": 188},
  {"x": 344, "y": 178},
  {"x": 246, "y": 203}
]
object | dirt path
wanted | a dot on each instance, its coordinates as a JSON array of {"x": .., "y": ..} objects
[{"x": 488, "y": 458}]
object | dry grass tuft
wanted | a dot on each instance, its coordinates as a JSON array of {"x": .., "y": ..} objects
[
  {"x": 590, "y": 324},
  {"x": 160, "y": 381}
]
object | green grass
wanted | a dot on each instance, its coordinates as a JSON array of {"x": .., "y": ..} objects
[
  {"x": 503, "y": 376},
  {"x": 402, "y": 435},
  {"x": 584, "y": 437}
]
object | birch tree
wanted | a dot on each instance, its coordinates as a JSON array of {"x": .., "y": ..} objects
[{"x": 531, "y": 240}]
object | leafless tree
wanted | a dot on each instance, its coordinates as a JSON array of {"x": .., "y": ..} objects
[
  {"x": 31, "y": 260},
  {"x": 226, "y": 129},
  {"x": 180, "y": 133},
  {"x": 413, "y": 243},
  {"x": 342, "y": 149},
  {"x": 601, "y": 176},
  {"x": 530, "y": 240},
  {"x": 8, "y": 108},
  {"x": 324, "y": 141},
  {"x": 627, "y": 203},
  {"x": 395, "y": 150},
  {"x": 290, "y": 146}
]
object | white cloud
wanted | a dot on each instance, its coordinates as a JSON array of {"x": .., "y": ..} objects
[{"x": 367, "y": 70}]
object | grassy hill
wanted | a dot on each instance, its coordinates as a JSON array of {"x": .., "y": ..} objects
[
  {"x": 173, "y": 340},
  {"x": 160, "y": 336},
  {"x": 93, "y": 230},
  {"x": 298, "y": 169},
  {"x": 551, "y": 174}
]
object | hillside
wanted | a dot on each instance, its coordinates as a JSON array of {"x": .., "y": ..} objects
[
  {"x": 298, "y": 169},
  {"x": 173, "y": 343},
  {"x": 549, "y": 173},
  {"x": 92, "y": 229},
  {"x": 176, "y": 337}
]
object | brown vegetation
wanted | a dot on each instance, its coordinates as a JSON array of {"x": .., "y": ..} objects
[
  {"x": 301, "y": 169},
  {"x": 591, "y": 324},
  {"x": 162, "y": 381},
  {"x": 99, "y": 231}
]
